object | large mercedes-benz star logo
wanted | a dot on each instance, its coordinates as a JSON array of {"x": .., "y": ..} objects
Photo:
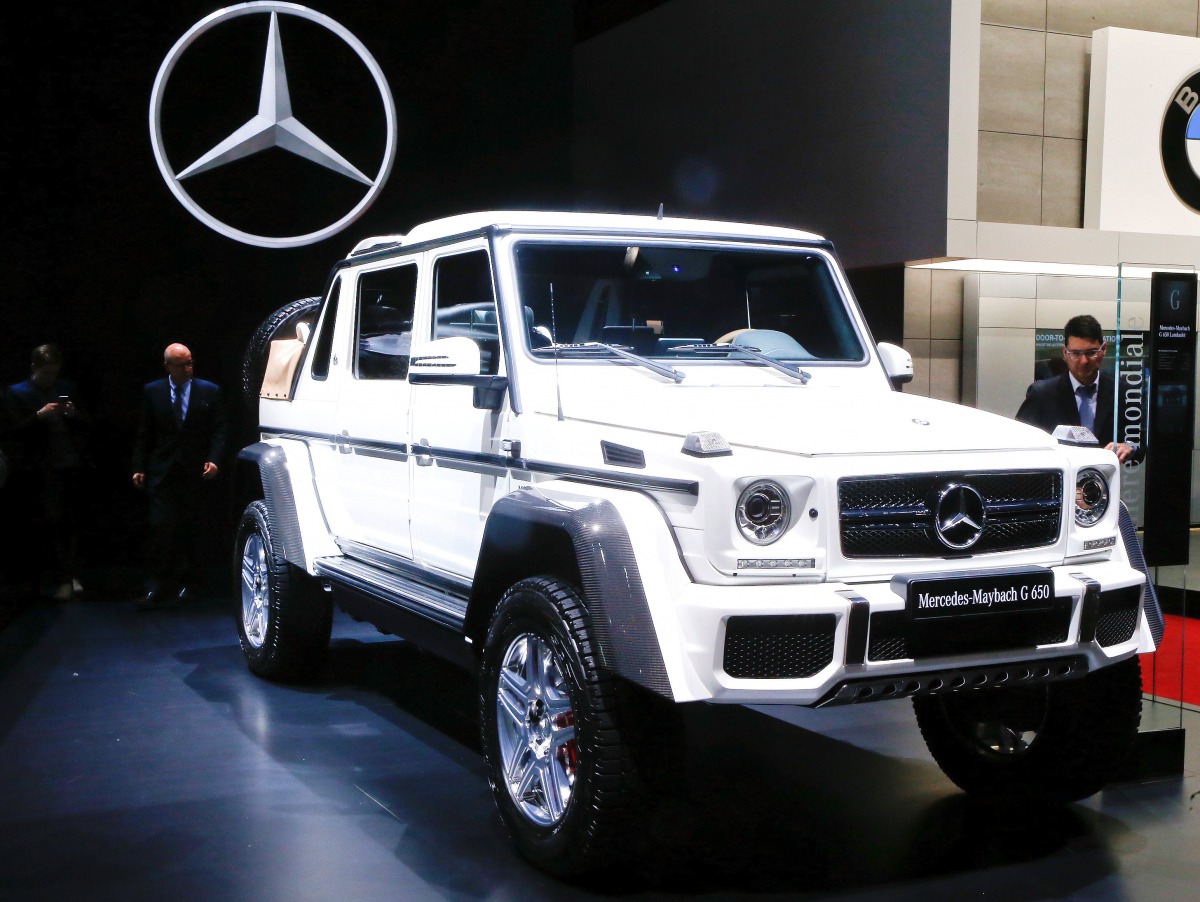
[
  {"x": 274, "y": 125},
  {"x": 959, "y": 516}
]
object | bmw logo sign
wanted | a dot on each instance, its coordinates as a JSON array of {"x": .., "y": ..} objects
[{"x": 1181, "y": 142}]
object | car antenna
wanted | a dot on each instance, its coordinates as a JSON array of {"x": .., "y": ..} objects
[
  {"x": 554, "y": 344},
  {"x": 660, "y": 211}
]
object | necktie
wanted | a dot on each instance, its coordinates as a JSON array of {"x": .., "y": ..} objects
[
  {"x": 178, "y": 404},
  {"x": 1087, "y": 409}
]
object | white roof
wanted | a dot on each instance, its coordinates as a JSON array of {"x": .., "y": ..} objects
[{"x": 600, "y": 222}]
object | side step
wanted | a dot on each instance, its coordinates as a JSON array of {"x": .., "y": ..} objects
[
  {"x": 436, "y": 603},
  {"x": 431, "y": 616}
]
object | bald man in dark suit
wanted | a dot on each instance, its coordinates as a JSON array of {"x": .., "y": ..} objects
[{"x": 180, "y": 441}]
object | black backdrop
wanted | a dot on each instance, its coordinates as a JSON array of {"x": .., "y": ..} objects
[{"x": 99, "y": 256}]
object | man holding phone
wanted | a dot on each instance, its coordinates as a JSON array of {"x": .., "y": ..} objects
[{"x": 47, "y": 459}]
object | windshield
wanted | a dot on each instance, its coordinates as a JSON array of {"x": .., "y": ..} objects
[{"x": 684, "y": 303}]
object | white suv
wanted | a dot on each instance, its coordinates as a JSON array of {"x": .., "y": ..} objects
[{"x": 612, "y": 460}]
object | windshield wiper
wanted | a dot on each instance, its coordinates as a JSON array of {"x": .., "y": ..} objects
[
  {"x": 669, "y": 371},
  {"x": 790, "y": 369}
]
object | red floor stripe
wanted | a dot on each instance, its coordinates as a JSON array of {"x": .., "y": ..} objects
[{"x": 1173, "y": 672}]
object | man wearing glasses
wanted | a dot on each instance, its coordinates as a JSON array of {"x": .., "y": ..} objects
[{"x": 1082, "y": 396}]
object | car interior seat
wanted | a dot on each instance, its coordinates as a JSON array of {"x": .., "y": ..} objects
[{"x": 772, "y": 343}]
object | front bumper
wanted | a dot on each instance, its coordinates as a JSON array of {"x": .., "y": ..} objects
[{"x": 838, "y": 643}]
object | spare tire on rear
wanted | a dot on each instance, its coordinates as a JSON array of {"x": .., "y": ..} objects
[{"x": 280, "y": 324}]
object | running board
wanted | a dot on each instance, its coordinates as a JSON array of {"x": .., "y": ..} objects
[{"x": 433, "y": 603}]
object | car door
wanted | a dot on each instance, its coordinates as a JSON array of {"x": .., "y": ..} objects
[
  {"x": 373, "y": 408},
  {"x": 457, "y": 470},
  {"x": 314, "y": 411}
]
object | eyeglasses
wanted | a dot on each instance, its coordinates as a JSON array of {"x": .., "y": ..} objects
[{"x": 1089, "y": 353}]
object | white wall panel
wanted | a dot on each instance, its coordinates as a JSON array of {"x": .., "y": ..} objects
[
  {"x": 1135, "y": 78},
  {"x": 1006, "y": 362}
]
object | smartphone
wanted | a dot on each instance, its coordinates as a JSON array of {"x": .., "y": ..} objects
[{"x": 64, "y": 399}]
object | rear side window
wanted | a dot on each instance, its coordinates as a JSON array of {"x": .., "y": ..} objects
[{"x": 383, "y": 334}]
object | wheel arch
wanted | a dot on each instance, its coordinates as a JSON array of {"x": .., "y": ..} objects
[
  {"x": 276, "y": 491},
  {"x": 530, "y": 534}
]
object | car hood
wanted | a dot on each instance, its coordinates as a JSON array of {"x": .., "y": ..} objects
[{"x": 812, "y": 420}]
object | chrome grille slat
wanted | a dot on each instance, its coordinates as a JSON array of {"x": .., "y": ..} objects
[{"x": 892, "y": 516}]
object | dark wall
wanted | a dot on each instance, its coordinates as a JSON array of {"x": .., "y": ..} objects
[
  {"x": 880, "y": 293},
  {"x": 100, "y": 257},
  {"x": 828, "y": 115}
]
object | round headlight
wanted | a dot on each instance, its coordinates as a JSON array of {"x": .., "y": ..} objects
[
  {"x": 1091, "y": 497},
  {"x": 763, "y": 512}
]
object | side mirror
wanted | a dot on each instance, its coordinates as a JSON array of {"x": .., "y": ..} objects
[
  {"x": 488, "y": 393},
  {"x": 453, "y": 356},
  {"x": 897, "y": 363}
]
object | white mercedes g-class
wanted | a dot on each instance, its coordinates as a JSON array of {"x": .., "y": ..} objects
[{"x": 609, "y": 460}]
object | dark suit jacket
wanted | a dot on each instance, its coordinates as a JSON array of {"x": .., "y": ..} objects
[
  {"x": 1051, "y": 402},
  {"x": 31, "y": 443},
  {"x": 162, "y": 446}
]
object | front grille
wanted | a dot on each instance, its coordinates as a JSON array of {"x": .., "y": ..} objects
[
  {"x": 894, "y": 516},
  {"x": 778, "y": 647}
]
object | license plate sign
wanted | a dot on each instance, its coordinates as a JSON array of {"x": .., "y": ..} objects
[{"x": 966, "y": 595}]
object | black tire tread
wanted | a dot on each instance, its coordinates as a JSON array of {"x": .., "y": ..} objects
[
  {"x": 254, "y": 360},
  {"x": 599, "y": 837},
  {"x": 301, "y": 619},
  {"x": 1088, "y": 734}
]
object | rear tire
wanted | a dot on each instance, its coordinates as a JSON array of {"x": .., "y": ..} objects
[
  {"x": 556, "y": 736},
  {"x": 284, "y": 620},
  {"x": 1057, "y": 742}
]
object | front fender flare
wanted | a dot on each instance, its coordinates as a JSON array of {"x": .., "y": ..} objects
[{"x": 583, "y": 540}]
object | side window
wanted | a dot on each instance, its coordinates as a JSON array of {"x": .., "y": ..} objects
[
  {"x": 324, "y": 348},
  {"x": 465, "y": 305},
  {"x": 383, "y": 334}
]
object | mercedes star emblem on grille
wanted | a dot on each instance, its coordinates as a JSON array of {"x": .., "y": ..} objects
[{"x": 959, "y": 516}]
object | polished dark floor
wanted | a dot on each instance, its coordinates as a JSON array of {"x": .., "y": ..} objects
[{"x": 140, "y": 760}]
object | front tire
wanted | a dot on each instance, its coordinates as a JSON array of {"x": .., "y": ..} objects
[
  {"x": 284, "y": 621},
  {"x": 557, "y": 745},
  {"x": 1058, "y": 742}
]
